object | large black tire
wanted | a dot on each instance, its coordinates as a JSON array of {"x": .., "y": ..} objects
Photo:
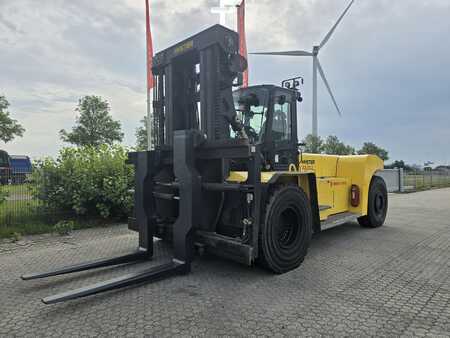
[
  {"x": 286, "y": 229},
  {"x": 377, "y": 204}
]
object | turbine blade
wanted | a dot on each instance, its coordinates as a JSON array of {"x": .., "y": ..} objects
[
  {"x": 328, "y": 36},
  {"x": 288, "y": 53},
  {"x": 322, "y": 75}
]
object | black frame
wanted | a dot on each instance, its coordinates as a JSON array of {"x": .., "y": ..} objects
[{"x": 268, "y": 146}]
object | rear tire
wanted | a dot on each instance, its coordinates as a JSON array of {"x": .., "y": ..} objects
[
  {"x": 377, "y": 204},
  {"x": 286, "y": 229}
]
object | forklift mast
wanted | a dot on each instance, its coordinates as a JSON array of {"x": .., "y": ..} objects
[{"x": 193, "y": 86}]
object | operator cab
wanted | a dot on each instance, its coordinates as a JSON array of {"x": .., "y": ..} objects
[{"x": 268, "y": 114}]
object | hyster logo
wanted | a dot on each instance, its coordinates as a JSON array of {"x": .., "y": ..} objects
[
  {"x": 308, "y": 165},
  {"x": 184, "y": 47}
]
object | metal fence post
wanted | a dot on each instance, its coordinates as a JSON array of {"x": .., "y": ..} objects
[
  {"x": 415, "y": 179},
  {"x": 401, "y": 181}
]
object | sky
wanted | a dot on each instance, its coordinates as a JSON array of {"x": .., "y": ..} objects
[{"x": 388, "y": 64}]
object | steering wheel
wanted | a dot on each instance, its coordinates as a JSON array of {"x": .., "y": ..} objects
[{"x": 251, "y": 133}]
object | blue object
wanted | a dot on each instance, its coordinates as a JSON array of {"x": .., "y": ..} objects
[{"x": 20, "y": 164}]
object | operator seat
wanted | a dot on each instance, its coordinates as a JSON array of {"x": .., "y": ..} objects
[{"x": 279, "y": 125}]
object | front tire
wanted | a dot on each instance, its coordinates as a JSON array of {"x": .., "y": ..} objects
[
  {"x": 286, "y": 230},
  {"x": 377, "y": 204}
]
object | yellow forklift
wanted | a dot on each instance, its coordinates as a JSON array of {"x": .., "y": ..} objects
[{"x": 226, "y": 175}]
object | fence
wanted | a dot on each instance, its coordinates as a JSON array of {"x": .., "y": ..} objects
[
  {"x": 421, "y": 180},
  {"x": 399, "y": 180},
  {"x": 17, "y": 203},
  {"x": 393, "y": 179}
]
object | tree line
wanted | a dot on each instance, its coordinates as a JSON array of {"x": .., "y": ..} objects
[
  {"x": 95, "y": 126},
  {"x": 333, "y": 146}
]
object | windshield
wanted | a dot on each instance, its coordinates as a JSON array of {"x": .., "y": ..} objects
[{"x": 251, "y": 108}]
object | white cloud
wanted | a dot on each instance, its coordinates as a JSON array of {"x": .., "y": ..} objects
[{"x": 388, "y": 63}]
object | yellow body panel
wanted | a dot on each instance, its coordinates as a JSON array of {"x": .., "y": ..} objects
[
  {"x": 342, "y": 172},
  {"x": 333, "y": 195},
  {"x": 321, "y": 165},
  {"x": 335, "y": 175}
]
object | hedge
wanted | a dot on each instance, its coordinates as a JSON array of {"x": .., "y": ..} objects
[{"x": 89, "y": 181}]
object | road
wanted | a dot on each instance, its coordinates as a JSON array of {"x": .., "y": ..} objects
[{"x": 391, "y": 281}]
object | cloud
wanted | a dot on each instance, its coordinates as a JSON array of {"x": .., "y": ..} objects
[{"x": 388, "y": 64}]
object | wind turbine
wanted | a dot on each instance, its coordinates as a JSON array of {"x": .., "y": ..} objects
[{"x": 316, "y": 68}]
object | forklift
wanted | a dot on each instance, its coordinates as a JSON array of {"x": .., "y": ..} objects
[{"x": 226, "y": 175}]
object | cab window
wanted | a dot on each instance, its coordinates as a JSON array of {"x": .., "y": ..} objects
[
  {"x": 281, "y": 123},
  {"x": 251, "y": 107}
]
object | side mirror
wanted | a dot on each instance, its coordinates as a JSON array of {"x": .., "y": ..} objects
[{"x": 299, "y": 97}]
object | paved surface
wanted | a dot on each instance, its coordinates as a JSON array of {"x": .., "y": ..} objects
[{"x": 390, "y": 281}]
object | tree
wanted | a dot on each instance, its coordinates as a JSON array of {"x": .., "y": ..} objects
[
  {"x": 142, "y": 136},
  {"x": 313, "y": 144},
  {"x": 399, "y": 164},
  {"x": 94, "y": 126},
  {"x": 9, "y": 128},
  {"x": 333, "y": 146},
  {"x": 373, "y": 149}
]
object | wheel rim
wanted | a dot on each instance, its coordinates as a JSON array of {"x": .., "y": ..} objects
[
  {"x": 379, "y": 204},
  {"x": 288, "y": 225}
]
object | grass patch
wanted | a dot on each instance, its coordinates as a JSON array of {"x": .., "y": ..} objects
[
  {"x": 17, "y": 188},
  {"x": 25, "y": 229},
  {"x": 25, "y": 216},
  {"x": 36, "y": 228},
  {"x": 426, "y": 182},
  {"x": 440, "y": 186},
  {"x": 21, "y": 211},
  {"x": 19, "y": 206}
]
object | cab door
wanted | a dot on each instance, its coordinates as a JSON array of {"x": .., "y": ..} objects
[{"x": 282, "y": 137}]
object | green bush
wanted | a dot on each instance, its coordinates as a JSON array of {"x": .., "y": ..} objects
[
  {"x": 64, "y": 228},
  {"x": 91, "y": 181},
  {"x": 16, "y": 236}
]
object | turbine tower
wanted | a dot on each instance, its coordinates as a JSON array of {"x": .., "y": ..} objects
[{"x": 316, "y": 68}]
